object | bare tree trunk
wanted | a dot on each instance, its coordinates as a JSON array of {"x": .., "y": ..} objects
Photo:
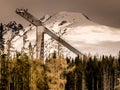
[
  {"x": 83, "y": 82},
  {"x": 75, "y": 82}
]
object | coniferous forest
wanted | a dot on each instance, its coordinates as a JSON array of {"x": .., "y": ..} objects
[
  {"x": 87, "y": 73},
  {"x": 21, "y": 72}
]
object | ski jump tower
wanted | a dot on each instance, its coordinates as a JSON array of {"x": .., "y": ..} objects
[{"x": 41, "y": 30}]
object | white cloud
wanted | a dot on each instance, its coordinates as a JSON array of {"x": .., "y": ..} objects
[
  {"x": 95, "y": 39},
  {"x": 93, "y": 34}
]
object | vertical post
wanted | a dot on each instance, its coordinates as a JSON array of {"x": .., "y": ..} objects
[
  {"x": 39, "y": 42},
  {"x": 42, "y": 45},
  {"x": 37, "y": 46},
  {"x": 58, "y": 46},
  {"x": 9, "y": 46}
]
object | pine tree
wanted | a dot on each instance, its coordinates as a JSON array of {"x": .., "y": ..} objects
[
  {"x": 37, "y": 77},
  {"x": 55, "y": 72},
  {"x": 1, "y": 38},
  {"x": 119, "y": 57},
  {"x": 20, "y": 73}
]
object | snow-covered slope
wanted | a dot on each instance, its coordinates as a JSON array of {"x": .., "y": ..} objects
[
  {"x": 79, "y": 31},
  {"x": 20, "y": 41},
  {"x": 85, "y": 35}
]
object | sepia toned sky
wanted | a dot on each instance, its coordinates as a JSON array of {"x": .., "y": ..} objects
[{"x": 105, "y": 12}]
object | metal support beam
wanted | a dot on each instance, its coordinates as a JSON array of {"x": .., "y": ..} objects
[
  {"x": 64, "y": 43},
  {"x": 30, "y": 18}
]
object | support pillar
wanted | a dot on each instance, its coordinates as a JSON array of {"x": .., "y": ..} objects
[{"x": 39, "y": 42}]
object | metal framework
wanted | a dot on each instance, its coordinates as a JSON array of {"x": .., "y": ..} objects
[{"x": 40, "y": 37}]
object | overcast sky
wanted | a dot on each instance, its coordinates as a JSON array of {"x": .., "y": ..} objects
[{"x": 105, "y": 12}]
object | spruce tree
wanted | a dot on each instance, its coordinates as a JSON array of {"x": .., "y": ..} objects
[
  {"x": 1, "y": 38},
  {"x": 55, "y": 72}
]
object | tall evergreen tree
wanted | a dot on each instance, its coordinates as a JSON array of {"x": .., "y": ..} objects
[
  {"x": 55, "y": 72},
  {"x": 1, "y": 38}
]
